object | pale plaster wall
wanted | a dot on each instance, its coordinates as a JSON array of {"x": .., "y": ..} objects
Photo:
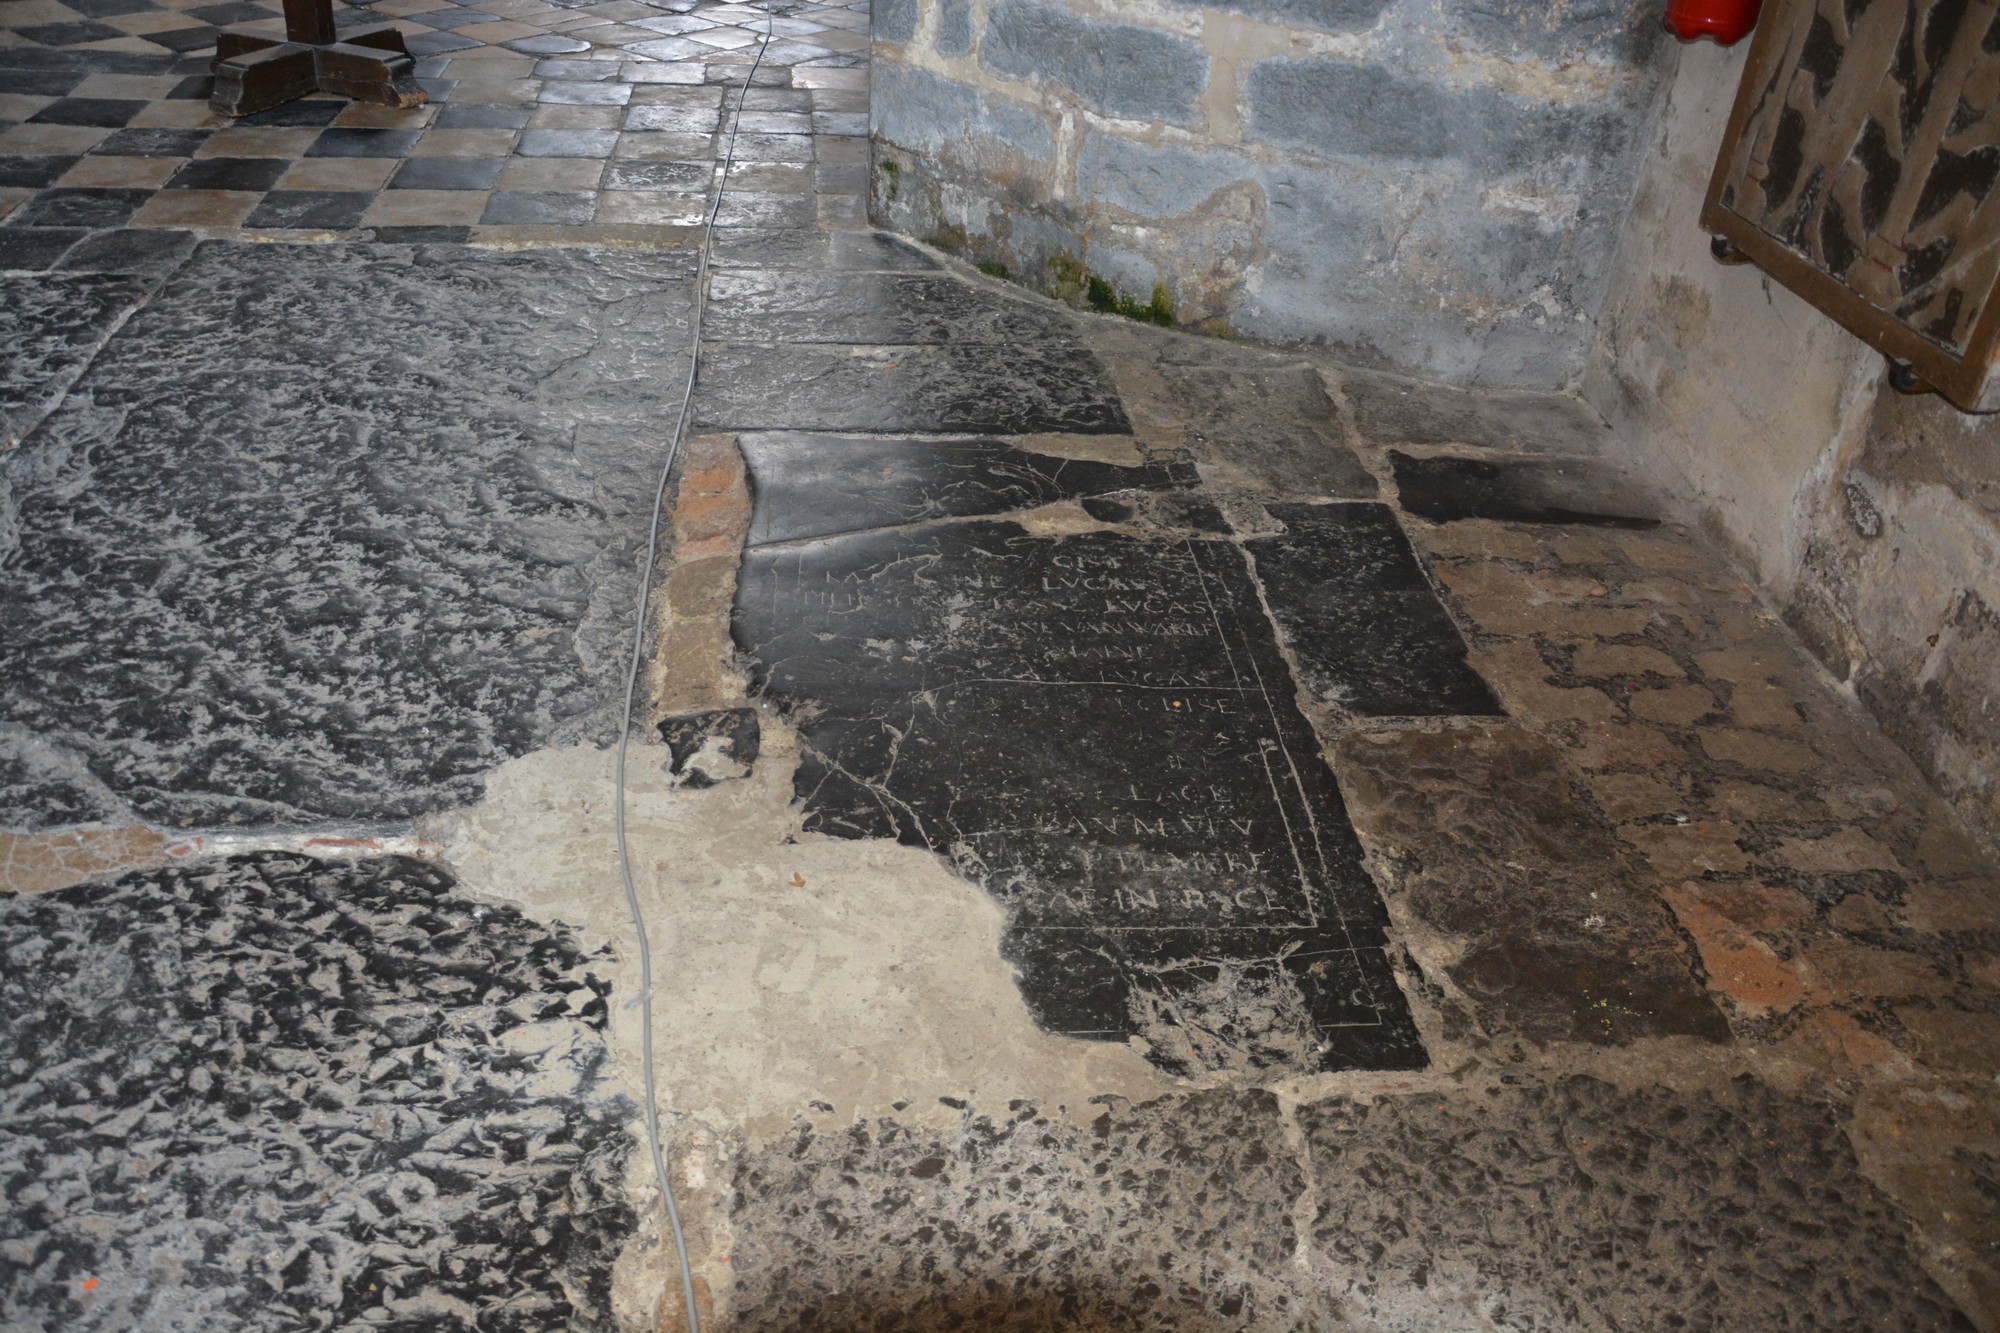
[{"x": 1871, "y": 520}]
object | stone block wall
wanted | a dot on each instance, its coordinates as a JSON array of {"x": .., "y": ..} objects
[{"x": 1429, "y": 186}]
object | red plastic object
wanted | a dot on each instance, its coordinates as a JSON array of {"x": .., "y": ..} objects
[{"x": 1726, "y": 21}]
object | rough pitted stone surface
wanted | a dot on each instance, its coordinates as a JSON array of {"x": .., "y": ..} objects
[
  {"x": 1579, "y": 1205},
  {"x": 1119, "y": 69},
  {"x": 1168, "y": 1216},
  {"x": 273, "y": 1093},
  {"x": 51, "y": 324},
  {"x": 323, "y": 571}
]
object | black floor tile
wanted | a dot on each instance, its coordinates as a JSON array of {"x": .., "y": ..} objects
[
  {"x": 129, "y": 250},
  {"x": 314, "y": 210},
  {"x": 1099, "y": 730},
  {"x": 152, "y": 143},
  {"x": 1366, "y": 629},
  {"x": 1519, "y": 490},
  {"x": 36, "y": 248},
  {"x": 229, "y": 173},
  {"x": 97, "y": 112},
  {"x": 304, "y": 114},
  {"x": 193, "y": 88},
  {"x": 234, "y": 11},
  {"x": 477, "y": 116},
  {"x": 22, "y": 82},
  {"x": 576, "y": 92},
  {"x": 963, "y": 388},
  {"x": 84, "y": 63},
  {"x": 423, "y": 235},
  {"x": 673, "y": 119},
  {"x": 447, "y": 173},
  {"x": 80, "y": 208},
  {"x": 811, "y": 485},
  {"x": 540, "y": 208},
  {"x": 184, "y": 39},
  {"x": 589, "y": 71},
  {"x": 71, "y": 34},
  {"x": 106, "y": 9},
  {"x": 363, "y": 143},
  {"x": 33, "y": 173}
]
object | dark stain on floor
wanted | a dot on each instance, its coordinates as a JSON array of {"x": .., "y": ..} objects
[
  {"x": 1444, "y": 489},
  {"x": 277, "y": 1093},
  {"x": 268, "y": 562}
]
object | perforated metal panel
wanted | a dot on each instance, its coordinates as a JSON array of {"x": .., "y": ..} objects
[{"x": 1861, "y": 168}]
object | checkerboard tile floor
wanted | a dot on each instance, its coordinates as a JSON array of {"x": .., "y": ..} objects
[{"x": 543, "y": 113}]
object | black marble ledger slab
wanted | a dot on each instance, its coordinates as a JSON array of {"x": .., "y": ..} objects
[
  {"x": 1099, "y": 729},
  {"x": 331, "y": 531},
  {"x": 1366, "y": 629},
  {"x": 793, "y": 307}
]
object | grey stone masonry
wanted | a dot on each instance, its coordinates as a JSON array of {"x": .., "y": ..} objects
[{"x": 1434, "y": 190}]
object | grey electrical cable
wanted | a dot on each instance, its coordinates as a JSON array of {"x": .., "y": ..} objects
[{"x": 632, "y": 689}]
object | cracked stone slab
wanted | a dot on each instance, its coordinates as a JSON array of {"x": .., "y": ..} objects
[
  {"x": 1366, "y": 629},
  {"x": 1099, "y": 729},
  {"x": 1167, "y": 1215},
  {"x": 1055, "y": 385},
  {"x": 1581, "y": 1205},
  {"x": 811, "y": 485},
  {"x": 273, "y": 1092},
  {"x": 1445, "y": 489},
  {"x": 870, "y": 308},
  {"x": 379, "y": 536},
  {"x": 51, "y": 324},
  {"x": 1522, "y": 903}
]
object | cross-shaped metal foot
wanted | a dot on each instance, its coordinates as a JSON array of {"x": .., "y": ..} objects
[{"x": 255, "y": 71}]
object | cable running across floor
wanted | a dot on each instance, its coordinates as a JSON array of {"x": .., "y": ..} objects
[{"x": 632, "y": 687}]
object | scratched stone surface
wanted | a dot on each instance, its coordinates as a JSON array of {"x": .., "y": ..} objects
[
  {"x": 1100, "y": 730},
  {"x": 895, "y": 352},
  {"x": 812, "y": 485},
  {"x": 322, "y": 572},
  {"x": 1365, "y": 627},
  {"x": 50, "y": 325},
  {"x": 272, "y": 1093}
]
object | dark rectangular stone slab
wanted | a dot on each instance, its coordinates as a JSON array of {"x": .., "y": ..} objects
[
  {"x": 316, "y": 571},
  {"x": 51, "y": 324},
  {"x": 817, "y": 485},
  {"x": 1365, "y": 627},
  {"x": 1101, "y": 731},
  {"x": 970, "y": 389},
  {"x": 792, "y": 307},
  {"x": 790, "y": 248},
  {"x": 1444, "y": 489}
]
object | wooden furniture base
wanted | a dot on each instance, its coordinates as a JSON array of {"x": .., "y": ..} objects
[{"x": 255, "y": 71}]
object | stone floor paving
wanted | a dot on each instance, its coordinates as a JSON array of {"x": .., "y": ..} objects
[{"x": 1140, "y": 832}]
